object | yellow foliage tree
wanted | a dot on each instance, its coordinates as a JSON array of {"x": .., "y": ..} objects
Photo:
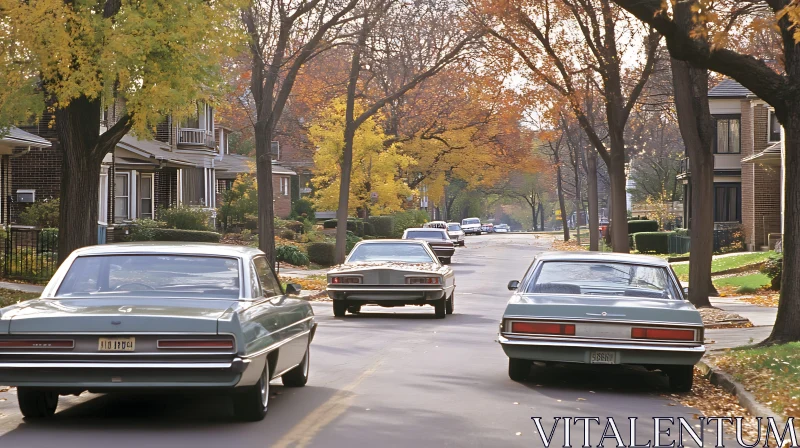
[{"x": 377, "y": 165}]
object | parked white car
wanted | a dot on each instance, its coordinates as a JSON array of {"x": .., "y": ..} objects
[
  {"x": 502, "y": 228},
  {"x": 455, "y": 232},
  {"x": 471, "y": 226}
]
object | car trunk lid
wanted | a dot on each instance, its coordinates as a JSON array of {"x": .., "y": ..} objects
[{"x": 119, "y": 315}]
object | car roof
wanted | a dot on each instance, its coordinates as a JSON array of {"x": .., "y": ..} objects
[
  {"x": 603, "y": 256},
  {"x": 172, "y": 247},
  {"x": 424, "y": 229},
  {"x": 436, "y": 222}
]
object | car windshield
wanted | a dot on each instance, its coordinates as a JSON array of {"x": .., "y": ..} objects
[
  {"x": 173, "y": 276},
  {"x": 603, "y": 278},
  {"x": 397, "y": 252},
  {"x": 425, "y": 234},
  {"x": 453, "y": 227},
  {"x": 470, "y": 221}
]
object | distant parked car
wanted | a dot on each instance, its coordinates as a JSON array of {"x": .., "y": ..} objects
[
  {"x": 455, "y": 233},
  {"x": 488, "y": 228},
  {"x": 471, "y": 226},
  {"x": 601, "y": 308},
  {"x": 438, "y": 240},
  {"x": 435, "y": 225},
  {"x": 502, "y": 228}
]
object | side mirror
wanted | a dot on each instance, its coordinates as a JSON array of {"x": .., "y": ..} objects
[
  {"x": 513, "y": 285},
  {"x": 293, "y": 289},
  {"x": 686, "y": 292}
]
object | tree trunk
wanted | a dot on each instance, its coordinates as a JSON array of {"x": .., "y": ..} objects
[
  {"x": 266, "y": 207},
  {"x": 786, "y": 327},
  {"x": 594, "y": 217},
  {"x": 541, "y": 216},
  {"x": 78, "y": 126},
  {"x": 533, "y": 214},
  {"x": 619, "y": 212},
  {"x": 561, "y": 203},
  {"x": 578, "y": 199}
]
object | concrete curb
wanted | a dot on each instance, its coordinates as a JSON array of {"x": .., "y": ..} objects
[{"x": 745, "y": 398}]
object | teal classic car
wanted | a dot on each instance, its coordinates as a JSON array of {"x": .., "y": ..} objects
[
  {"x": 157, "y": 317},
  {"x": 600, "y": 308}
]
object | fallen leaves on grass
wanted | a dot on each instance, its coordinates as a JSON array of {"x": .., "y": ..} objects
[
  {"x": 571, "y": 245},
  {"x": 311, "y": 283},
  {"x": 711, "y": 400},
  {"x": 770, "y": 300},
  {"x": 717, "y": 318}
]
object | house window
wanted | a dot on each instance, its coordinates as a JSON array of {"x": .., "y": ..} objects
[
  {"x": 774, "y": 127},
  {"x": 122, "y": 196},
  {"x": 729, "y": 136},
  {"x": 284, "y": 186},
  {"x": 727, "y": 203},
  {"x": 146, "y": 196},
  {"x": 193, "y": 121}
]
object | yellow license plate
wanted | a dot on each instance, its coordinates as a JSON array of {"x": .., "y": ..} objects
[{"x": 116, "y": 345}]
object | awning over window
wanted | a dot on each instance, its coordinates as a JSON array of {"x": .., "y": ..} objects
[{"x": 769, "y": 156}]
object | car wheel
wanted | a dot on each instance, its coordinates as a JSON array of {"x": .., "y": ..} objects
[
  {"x": 451, "y": 304},
  {"x": 519, "y": 369},
  {"x": 37, "y": 403},
  {"x": 251, "y": 403},
  {"x": 339, "y": 308},
  {"x": 680, "y": 378},
  {"x": 354, "y": 309},
  {"x": 461, "y": 243},
  {"x": 447, "y": 260},
  {"x": 440, "y": 307},
  {"x": 298, "y": 377}
]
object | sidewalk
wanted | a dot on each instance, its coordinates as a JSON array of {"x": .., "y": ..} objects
[
  {"x": 717, "y": 257},
  {"x": 763, "y": 318},
  {"x": 286, "y": 272},
  {"x": 24, "y": 287}
]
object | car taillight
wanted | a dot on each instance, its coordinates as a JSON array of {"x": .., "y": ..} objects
[
  {"x": 662, "y": 334},
  {"x": 423, "y": 280},
  {"x": 37, "y": 344},
  {"x": 543, "y": 328},
  {"x": 196, "y": 343},
  {"x": 351, "y": 280}
]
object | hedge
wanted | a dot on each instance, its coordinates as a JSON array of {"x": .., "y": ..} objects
[
  {"x": 640, "y": 226},
  {"x": 197, "y": 236},
  {"x": 652, "y": 242},
  {"x": 383, "y": 226},
  {"x": 360, "y": 228},
  {"x": 322, "y": 253}
]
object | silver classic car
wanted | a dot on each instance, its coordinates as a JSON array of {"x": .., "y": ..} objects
[
  {"x": 391, "y": 273},
  {"x": 437, "y": 238},
  {"x": 156, "y": 316},
  {"x": 600, "y": 308}
]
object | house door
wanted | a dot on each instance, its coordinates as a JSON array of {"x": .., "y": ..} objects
[
  {"x": 727, "y": 202},
  {"x": 146, "y": 196}
]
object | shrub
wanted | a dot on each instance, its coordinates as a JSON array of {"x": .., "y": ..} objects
[
  {"x": 352, "y": 239},
  {"x": 287, "y": 234},
  {"x": 354, "y": 226},
  {"x": 682, "y": 232},
  {"x": 329, "y": 224},
  {"x": 322, "y": 253},
  {"x": 382, "y": 225},
  {"x": 408, "y": 219},
  {"x": 652, "y": 242},
  {"x": 294, "y": 226},
  {"x": 291, "y": 255},
  {"x": 250, "y": 222},
  {"x": 773, "y": 268},
  {"x": 369, "y": 229},
  {"x": 303, "y": 209},
  {"x": 184, "y": 217},
  {"x": 640, "y": 226},
  {"x": 48, "y": 240},
  {"x": 144, "y": 230},
  {"x": 42, "y": 214},
  {"x": 157, "y": 234}
]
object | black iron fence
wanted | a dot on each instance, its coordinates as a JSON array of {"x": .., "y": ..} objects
[
  {"x": 727, "y": 238},
  {"x": 30, "y": 254}
]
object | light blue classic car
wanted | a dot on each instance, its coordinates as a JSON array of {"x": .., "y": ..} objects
[
  {"x": 157, "y": 316},
  {"x": 600, "y": 308}
]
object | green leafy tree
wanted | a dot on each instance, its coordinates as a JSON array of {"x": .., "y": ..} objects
[
  {"x": 150, "y": 57},
  {"x": 240, "y": 201}
]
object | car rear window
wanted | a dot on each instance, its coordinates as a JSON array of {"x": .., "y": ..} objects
[
  {"x": 470, "y": 221},
  {"x": 397, "y": 252},
  {"x": 165, "y": 276},
  {"x": 453, "y": 227},
  {"x": 426, "y": 234},
  {"x": 603, "y": 278}
]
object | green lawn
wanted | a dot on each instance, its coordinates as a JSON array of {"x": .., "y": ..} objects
[
  {"x": 725, "y": 263},
  {"x": 748, "y": 283},
  {"x": 11, "y": 296},
  {"x": 772, "y": 373}
]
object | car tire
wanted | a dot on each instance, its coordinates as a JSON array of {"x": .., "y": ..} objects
[
  {"x": 461, "y": 243},
  {"x": 354, "y": 309},
  {"x": 447, "y": 260},
  {"x": 339, "y": 308},
  {"x": 519, "y": 369},
  {"x": 681, "y": 378},
  {"x": 440, "y": 308},
  {"x": 298, "y": 377},
  {"x": 37, "y": 403},
  {"x": 252, "y": 402},
  {"x": 451, "y": 304}
]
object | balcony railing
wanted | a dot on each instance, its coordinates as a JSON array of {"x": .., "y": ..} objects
[{"x": 195, "y": 137}]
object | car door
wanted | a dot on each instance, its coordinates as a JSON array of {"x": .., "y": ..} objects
[{"x": 291, "y": 332}]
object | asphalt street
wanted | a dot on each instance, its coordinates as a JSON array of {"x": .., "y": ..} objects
[{"x": 389, "y": 377}]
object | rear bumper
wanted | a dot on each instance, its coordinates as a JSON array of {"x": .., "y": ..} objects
[
  {"x": 580, "y": 352},
  {"x": 386, "y": 294}
]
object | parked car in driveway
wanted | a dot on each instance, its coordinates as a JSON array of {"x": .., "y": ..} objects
[
  {"x": 391, "y": 273},
  {"x": 438, "y": 239},
  {"x": 455, "y": 233},
  {"x": 502, "y": 228},
  {"x": 157, "y": 317},
  {"x": 602, "y": 308},
  {"x": 471, "y": 226}
]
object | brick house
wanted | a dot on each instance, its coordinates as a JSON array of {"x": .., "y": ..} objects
[{"x": 748, "y": 168}]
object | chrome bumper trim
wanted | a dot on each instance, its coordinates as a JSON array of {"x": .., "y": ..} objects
[
  {"x": 600, "y": 345},
  {"x": 237, "y": 365},
  {"x": 384, "y": 289}
]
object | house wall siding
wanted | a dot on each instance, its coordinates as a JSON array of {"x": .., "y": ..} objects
[{"x": 40, "y": 170}]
